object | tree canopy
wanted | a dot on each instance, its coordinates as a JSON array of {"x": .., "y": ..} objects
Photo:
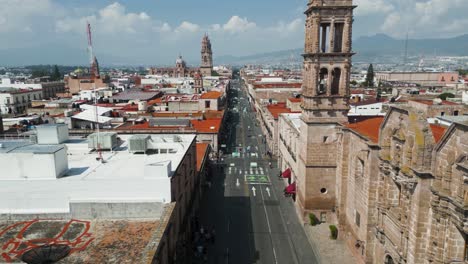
[{"x": 370, "y": 76}]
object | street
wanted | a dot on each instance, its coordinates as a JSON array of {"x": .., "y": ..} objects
[{"x": 253, "y": 220}]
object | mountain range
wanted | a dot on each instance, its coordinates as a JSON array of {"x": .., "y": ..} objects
[{"x": 368, "y": 48}]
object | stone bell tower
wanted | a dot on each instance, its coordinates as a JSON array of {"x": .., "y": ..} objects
[
  {"x": 206, "y": 57},
  {"x": 325, "y": 93}
]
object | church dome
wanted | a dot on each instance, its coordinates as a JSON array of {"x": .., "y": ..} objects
[{"x": 180, "y": 60}]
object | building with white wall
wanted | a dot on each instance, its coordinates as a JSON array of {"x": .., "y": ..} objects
[
  {"x": 64, "y": 185},
  {"x": 16, "y": 101}
]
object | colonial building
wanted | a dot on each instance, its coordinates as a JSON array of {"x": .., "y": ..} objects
[
  {"x": 181, "y": 70},
  {"x": 395, "y": 185}
]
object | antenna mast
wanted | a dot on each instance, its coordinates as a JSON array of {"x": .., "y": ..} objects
[
  {"x": 92, "y": 75},
  {"x": 406, "y": 49}
]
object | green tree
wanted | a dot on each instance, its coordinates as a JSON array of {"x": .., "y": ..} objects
[
  {"x": 56, "y": 75},
  {"x": 36, "y": 73},
  {"x": 370, "y": 76},
  {"x": 379, "y": 94},
  {"x": 444, "y": 96}
]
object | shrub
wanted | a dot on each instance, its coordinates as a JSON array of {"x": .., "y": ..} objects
[
  {"x": 333, "y": 232},
  {"x": 313, "y": 220}
]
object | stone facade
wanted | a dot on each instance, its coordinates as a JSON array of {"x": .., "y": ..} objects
[
  {"x": 397, "y": 187},
  {"x": 325, "y": 102}
]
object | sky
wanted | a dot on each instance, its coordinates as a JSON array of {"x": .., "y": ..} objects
[{"x": 155, "y": 32}]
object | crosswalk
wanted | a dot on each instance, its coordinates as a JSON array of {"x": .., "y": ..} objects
[
  {"x": 251, "y": 171},
  {"x": 242, "y": 155}
]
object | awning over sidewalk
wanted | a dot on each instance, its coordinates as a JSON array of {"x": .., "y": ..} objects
[
  {"x": 291, "y": 189},
  {"x": 286, "y": 174}
]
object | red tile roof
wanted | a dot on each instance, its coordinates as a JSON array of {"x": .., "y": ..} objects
[
  {"x": 430, "y": 102},
  {"x": 438, "y": 132},
  {"x": 202, "y": 149},
  {"x": 178, "y": 114},
  {"x": 369, "y": 128},
  {"x": 211, "y": 95},
  {"x": 206, "y": 126},
  {"x": 295, "y": 100},
  {"x": 276, "y": 85},
  {"x": 277, "y": 109}
]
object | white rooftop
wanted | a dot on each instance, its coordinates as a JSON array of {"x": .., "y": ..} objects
[
  {"x": 295, "y": 119},
  {"x": 123, "y": 178}
]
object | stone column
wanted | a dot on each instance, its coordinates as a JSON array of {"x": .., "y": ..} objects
[
  {"x": 330, "y": 80},
  {"x": 332, "y": 36},
  {"x": 315, "y": 34},
  {"x": 347, "y": 28}
]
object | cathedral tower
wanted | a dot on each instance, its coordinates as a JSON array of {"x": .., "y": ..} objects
[
  {"x": 206, "y": 57},
  {"x": 325, "y": 93}
]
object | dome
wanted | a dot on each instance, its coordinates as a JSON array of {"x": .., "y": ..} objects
[{"x": 180, "y": 60}]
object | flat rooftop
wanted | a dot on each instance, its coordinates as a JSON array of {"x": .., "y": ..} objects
[{"x": 123, "y": 178}]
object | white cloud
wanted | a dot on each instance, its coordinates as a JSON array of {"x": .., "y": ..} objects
[
  {"x": 291, "y": 27},
  {"x": 237, "y": 24},
  {"x": 369, "y": 7},
  {"x": 187, "y": 27},
  {"x": 22, "y": 15},
  {"x": 109, "y": 20},
  {"x": 425, "y": 18}
]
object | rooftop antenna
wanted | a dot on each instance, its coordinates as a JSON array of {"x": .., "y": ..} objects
[
  {"x": 91, "y": 60},
  {"x": 406, "y": 49}
]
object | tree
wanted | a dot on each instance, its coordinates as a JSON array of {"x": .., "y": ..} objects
[
  {"x": 39, "y": 73},
  {"x": 379, "y": 94},
  {"x": 444, "y": 96},
  {"x": 370, "y": 76},
  {"x": 56, "y": 75}
]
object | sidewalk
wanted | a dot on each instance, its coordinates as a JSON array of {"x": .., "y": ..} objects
[{"x": 330, "y": 251}]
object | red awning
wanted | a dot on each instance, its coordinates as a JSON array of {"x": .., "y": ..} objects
[
  {"x": 291, "y": 189},
  {"x": 286, "y": 174}
]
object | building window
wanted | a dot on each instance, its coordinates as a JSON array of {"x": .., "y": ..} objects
[
  {"x": 456, "y": 113},
  {"x": 442, "y": 114},
  {"x": 357, "y": 220},
  {"x": 207, "y": 104}
]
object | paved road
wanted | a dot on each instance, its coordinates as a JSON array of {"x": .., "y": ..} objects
[{"x": 253, "y": 220}]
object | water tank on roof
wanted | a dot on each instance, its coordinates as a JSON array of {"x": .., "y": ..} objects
[
  {"x": 437, "y": 101},
  {"x": 142, "y": 106},
  {"x": 138, "y": 143},
  {"x": 51, "y": 134},
  {"x": 106, "y": 140}
]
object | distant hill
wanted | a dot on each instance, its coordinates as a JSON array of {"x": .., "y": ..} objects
[{"x": 368, "y": 47}]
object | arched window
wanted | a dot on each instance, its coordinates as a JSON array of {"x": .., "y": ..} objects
[
  {"x": 336, "y": 74},
  {"x": 389, "y": 260},
  {"x": 323, "y": 81}
]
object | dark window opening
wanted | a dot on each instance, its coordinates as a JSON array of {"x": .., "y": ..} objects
[
  {"x": 338, "y": 44},
  {"x": 336, "y": 76},
  {"x": 323, "y": 81},
  {"x": 207, "y": 104},
  {"x": 456, "y": 113},
  {"x": 358, "y": 219}
]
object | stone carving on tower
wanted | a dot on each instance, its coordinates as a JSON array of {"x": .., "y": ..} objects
[
  {"x": 325, "y": 93},
  {"x": 206, "y": 57}
]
